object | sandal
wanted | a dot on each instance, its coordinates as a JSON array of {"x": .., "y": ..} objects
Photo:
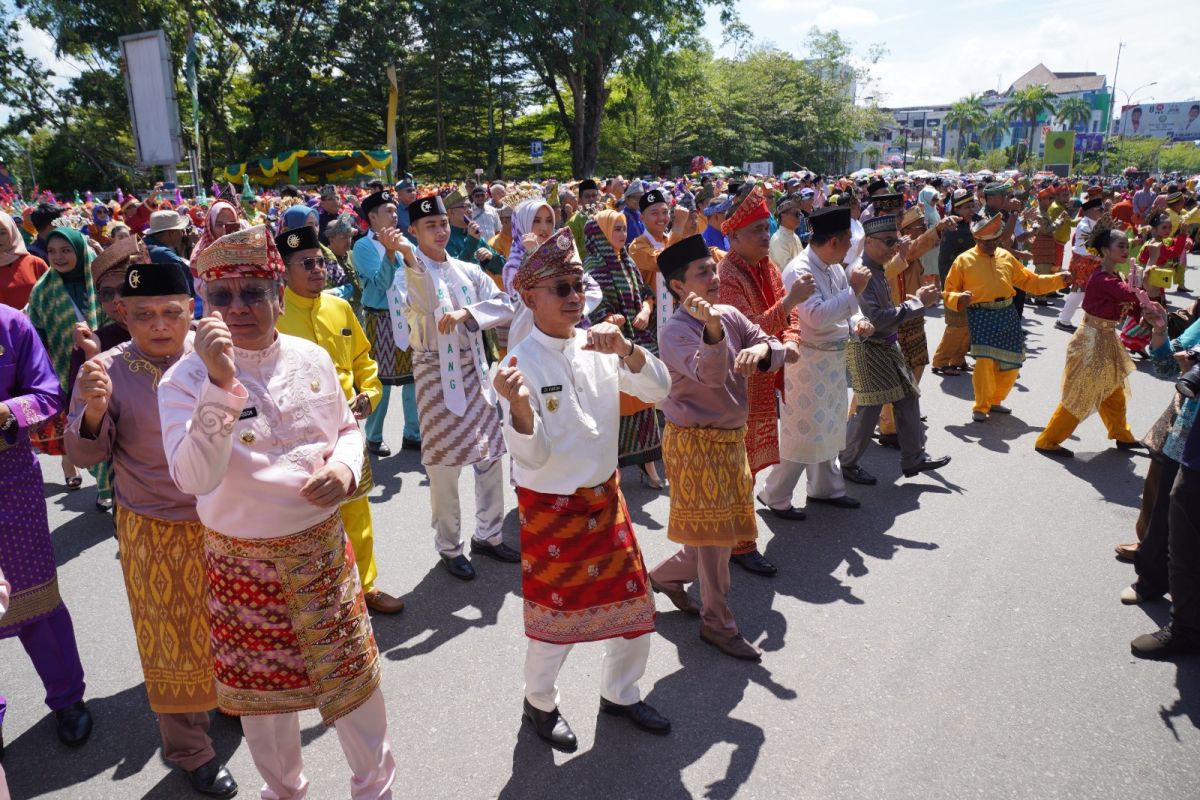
[
  {"x": 74, "y": 482},
  {"x": 646, "y": 481},
  {"x": 949, "y": 372}
]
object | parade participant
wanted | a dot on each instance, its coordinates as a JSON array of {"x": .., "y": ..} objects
[
  {"x": 709, "y": 350},
  {"x": 751, "y": 283},
  {"x": 929, "y": 203},
  {"x": 655, "y": 215},
  {"x": 449, "y": 304},
  {"x": 19, "y": 269},
  {"x": 950, "y": 358},
  {"x": 222, "y": 218},
  {"x": 583, "y": 578},
  {"x": 631, "y": 208},
  {"x": 377, "y": 257},
  {"x": 814, "y": 409},
  {"x": 1046, "y": 251},
  {"x": 339, "y": 234},
  {"x": 639, "y": 441},
  {"x": 166, "y": 239},
  {"x": 329, "y": 210},
  {"x": 42, "y": 219},
  {"x": 1082, "y": 264},
  {"x": 483, "y": 215},
  {"x": 981, "y": 283},
  {"x": 531, "y": 217},
  {"x": 502, "y": 242},
  {"x": 786, "y": 243},
  {"x": 1097, "y": 368},
  {"x": 97, "y": 230},
  {"x": 589, "y": 195},
  {"x": 309, "y": 313},
  {"x": 29, "y": 396},
  {"x": 714, "y": 216},
  {"x": 114, "y": 416},
  {"x": 63, "y": 297},
  {"x": 255, "y": 424},
  {"x": 466, "y": 235},
  {"x": 879, "y": 373}
]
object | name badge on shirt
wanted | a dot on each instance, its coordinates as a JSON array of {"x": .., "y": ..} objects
[
  {"x": 552, "y": 403},
  {"x": 248, "y": 413}
]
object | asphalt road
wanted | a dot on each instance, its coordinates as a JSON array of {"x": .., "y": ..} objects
[{"x": 959, "y": 636}]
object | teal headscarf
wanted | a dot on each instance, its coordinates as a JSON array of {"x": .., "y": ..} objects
[{"x": 78, "y": 282}]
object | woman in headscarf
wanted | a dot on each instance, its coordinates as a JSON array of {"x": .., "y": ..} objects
[
  {"x": 19, "y": 269},
  {"x": 98, "y": 231},
  {"x": 533, "y": 217},
  {"x": 61, "y": 298},
  {"x": 222, "y": 218},
  {"x": 626, "y": 296}
]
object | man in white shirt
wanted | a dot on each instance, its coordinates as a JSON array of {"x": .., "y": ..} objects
[
  {"x": 560, "y": 390},
  {"x": 484, "y": 215}
]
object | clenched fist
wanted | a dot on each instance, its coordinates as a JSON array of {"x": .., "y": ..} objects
[
  {"x": 214, "y": 343},
  {"x": 859, "y": 277}
]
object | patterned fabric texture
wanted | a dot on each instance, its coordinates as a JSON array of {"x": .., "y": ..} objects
[
  {"x": 814, "y": 413},
  {"x": 395, "y": 365},
  {"x": 996, "y": 333},
  {"x": 711, "y": 487},
  {"x": 448, "y": 440},
  {"x": 913, "y": 343},
  {"x": 639, "y": 440},
  {"x": 1081, "y": 268},
  {"x": 582, "y": 574},
  {"x": 163, "y": 564},
  {"x": 878, "y": 373},
  {"x": 289, "y": 625},
  {"x": 26, "y": 552},
  {"x": 1097, "y": 365}
]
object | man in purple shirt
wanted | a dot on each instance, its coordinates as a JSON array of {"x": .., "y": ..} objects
[
  {"x": 709, "y": 349},
  {"x": 1143, "y": 199}
]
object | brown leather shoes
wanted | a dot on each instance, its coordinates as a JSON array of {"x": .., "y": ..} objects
[
  {"x": 735, "y": 645},
  {"x": 1126, "y": 552},
  {"x": 383, "y": 602},
  {"x": 678, "y": 597}
]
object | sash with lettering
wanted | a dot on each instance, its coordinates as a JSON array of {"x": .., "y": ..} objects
[
  {"x": 664, "y": 301},
  {"x": 396, "y": 299},
  {"x": 448, "y": 285}
]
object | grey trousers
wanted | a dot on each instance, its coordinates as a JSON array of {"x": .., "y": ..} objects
[
  {"x": 447, "y": 514},
  {"x": 908, "y": 430}
]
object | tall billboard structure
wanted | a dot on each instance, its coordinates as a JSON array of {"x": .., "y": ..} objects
[{"x": 150, "y": 86}]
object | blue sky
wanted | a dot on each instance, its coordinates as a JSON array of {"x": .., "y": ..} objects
[{"x": 940, "y": 51}]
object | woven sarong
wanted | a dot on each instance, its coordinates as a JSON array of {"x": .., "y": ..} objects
[
  {"x": 913, "y": 343},
  {"x": 582, "y": 574},
  {"x": 449, "y": 440},
  {"x": 1044, "y": 251},
  {"x": 289, "y": 625},
  {"x": 878, "y": 373},
  {"x": 163, "y": 564},
  {"x": 813, "y": 417},
  {"x": 1097, "y": 365},
  {"x": 1082, "y": 268},
  {"x": 711, "y": 487},
  {"x": 996, "y": 333},
  {"x": 638, "y": 438},
  {"x": 395, "y": 365},
  {"x": 762, "y": 421}
]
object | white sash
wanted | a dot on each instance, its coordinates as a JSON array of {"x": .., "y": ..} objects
[
  {"x": 447, "y": 287},
  {"x": 396, "y": 295},
  {"x": 664, "y": 303}
]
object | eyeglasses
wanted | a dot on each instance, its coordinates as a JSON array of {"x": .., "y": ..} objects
[
  {"x": 311, "y": 263},
  {"x": 563, "y": 288},
  {"x": 890, "y": 241},
  {"x": 223, "y": 298},
  {"x": 107, "y": 294}
]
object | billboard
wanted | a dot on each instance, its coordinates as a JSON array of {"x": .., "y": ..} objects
[
  {"x": 150, "y": 86},
  {"x": 1179, "y": 121}
]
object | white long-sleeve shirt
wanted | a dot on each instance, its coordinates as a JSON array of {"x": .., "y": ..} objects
[
  {"x": 246, "y": 453},
  {"x": 827, "y": 315},
  {"x": 575, "y": 395}
]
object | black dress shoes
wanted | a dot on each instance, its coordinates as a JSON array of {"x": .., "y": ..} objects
[
  {"x": 889, "y": 440},
  {"x": 1134, "y": 445},
  {"x": 640, "y": 714},
  {"x": 926, "y": 465},
  {"x": 837, "y": 502},
  {"x": 410, "y": 444},
  {"x": 755, "y": 562},
  {"x": 551, "y": 727},
  {"x": 213, "y": 779},
  {"x": 379, "y": 448},
  {"x": 74, "y": 724},
  {"x": 459, "y": 567},
  {"x": 856, "y": 474},
  {"x": 791, "y": 512},
  {"x": 500, "y": 552}
]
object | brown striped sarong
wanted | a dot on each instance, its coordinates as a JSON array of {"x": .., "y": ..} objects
[
  {"x": 448, "y": 440},
  {"x": 638, "y": 438},
  {"x": 913, "y": 343},
  {"x": 163, "y": 564},
  {"x": 395, "y": 365}
]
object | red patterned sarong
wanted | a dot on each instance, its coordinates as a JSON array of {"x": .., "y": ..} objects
[
  {"x": 289, "y": 625},
  {"x": 582, "y": 573},
  {"x": 1082, "y": 268}
]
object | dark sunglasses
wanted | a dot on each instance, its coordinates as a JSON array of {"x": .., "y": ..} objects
[
  {"x": 311, "y": 263},
  {"x": 890, "y": 241},
  {"x": 564, "y": 288},
  {"x": 223, "y": 298},
  {"x": 107, "y": 294}
]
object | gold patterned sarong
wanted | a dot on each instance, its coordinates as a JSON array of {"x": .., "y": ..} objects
[
  {"x": 711, "y": 487},
  {"x": 1097, "y": 365},
  {"x": 163, "y": 563},
  {"x": 289, "y": 625}
]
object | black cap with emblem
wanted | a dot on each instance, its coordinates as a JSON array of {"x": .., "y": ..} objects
[
  {"x": 155, "y": 280},
  {"x": 425, "y": 207},
  {"x": 374, "y": 201},
  {"x": 650, "y": 198},
  {"x": 295, "y": 239}
]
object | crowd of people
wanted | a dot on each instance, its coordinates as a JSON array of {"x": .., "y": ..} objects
[{"x": 224, "y": 368}]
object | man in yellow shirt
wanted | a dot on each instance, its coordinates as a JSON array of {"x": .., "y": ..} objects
[
  {"x": 329, "y": 321},
  {"x": 982, "y": 282}
]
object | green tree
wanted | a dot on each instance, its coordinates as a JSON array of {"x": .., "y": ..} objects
[
  {"x": 965, "y": 116},
  {"x": 993, "y": 128},
  {"x": 1073, "y": 111},
  {"x": 1027, "y": 106}
]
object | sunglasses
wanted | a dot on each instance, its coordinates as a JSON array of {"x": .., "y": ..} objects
[
  {"x": 311, "y": 263},
  {"x": 107, "y": 294},
  {"x": 563, "y": 288},
  {"x": 223, "y": 298},
  {"x": 890, "y": 241}
]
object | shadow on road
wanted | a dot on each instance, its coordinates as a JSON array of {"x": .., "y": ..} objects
[{"x": 85, "y": 530}]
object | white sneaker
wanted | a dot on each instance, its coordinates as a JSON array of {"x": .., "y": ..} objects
[{"x": 1130, "y": 596}]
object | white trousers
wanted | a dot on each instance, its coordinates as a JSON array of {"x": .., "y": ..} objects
[
  {"x": 274, "y": 742},
  {"x": 824, "y": 481},
  {"x": 1071, "y": 304},
  {"x": 623, "y": 665},
  {"x": 447, "y": 514}
]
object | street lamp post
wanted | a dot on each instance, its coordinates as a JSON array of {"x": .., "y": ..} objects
[{"x": 1128, "y": 102}]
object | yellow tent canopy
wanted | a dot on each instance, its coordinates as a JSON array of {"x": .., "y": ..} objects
[{"x": 309, "y": 166}]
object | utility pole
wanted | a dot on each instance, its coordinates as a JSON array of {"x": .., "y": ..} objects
[{"x": 1112, "y": 100}]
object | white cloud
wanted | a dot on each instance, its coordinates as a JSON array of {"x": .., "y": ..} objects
[{"x": 842, "y": 17}]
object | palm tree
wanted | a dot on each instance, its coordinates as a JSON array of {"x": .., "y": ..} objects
[
  {"x": 966, "y": 115},
  {"x": 1073, "y": 111},
  {"x": 993, "y": 128},
  {"x": 871, "y": 156},
  {"x": 1027, "y": 105}
]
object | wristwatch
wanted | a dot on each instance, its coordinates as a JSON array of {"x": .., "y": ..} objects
[{"x": 9, "y": 423}]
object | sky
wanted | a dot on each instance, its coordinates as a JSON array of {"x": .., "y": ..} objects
[{"x": 939, "y": 52}]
